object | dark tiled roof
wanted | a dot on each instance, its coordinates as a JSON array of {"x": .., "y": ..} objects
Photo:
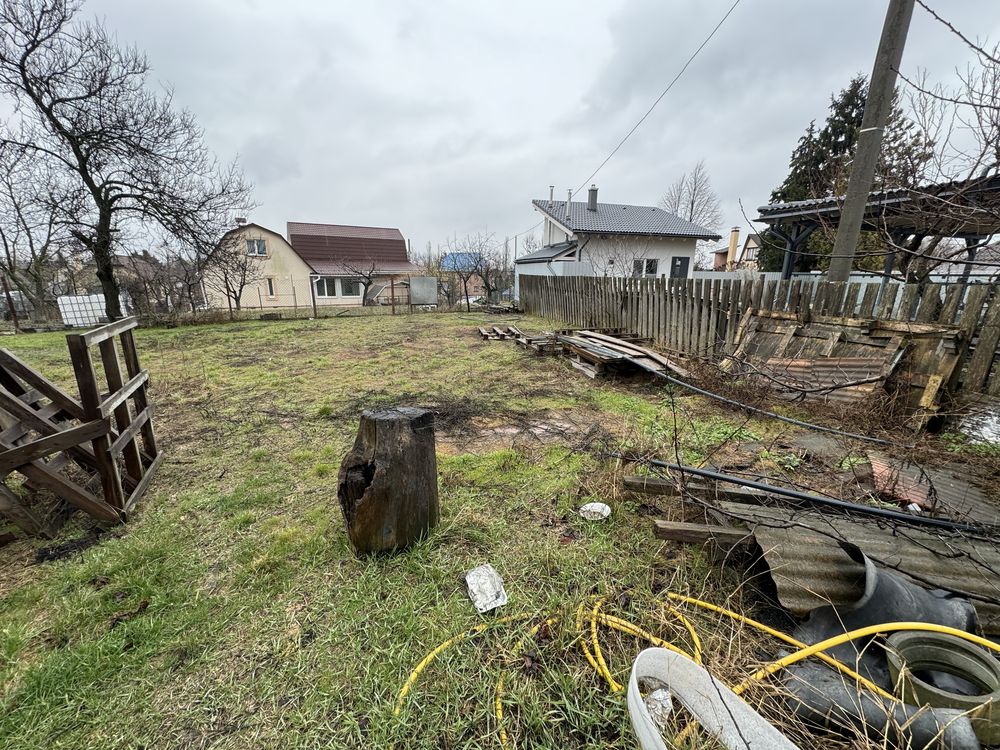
[
  {"x": 547, "y": 253},
  {"x": 618, "y": 218},
  {"x": 340, "y": 248}
]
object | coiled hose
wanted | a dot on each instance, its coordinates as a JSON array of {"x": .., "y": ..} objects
[{"x": 595, "y": 657}]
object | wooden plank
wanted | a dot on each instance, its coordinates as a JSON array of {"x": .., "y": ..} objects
[
  {"x": 908, "y": 302},
  {"x": 41, "y": 476},
  {"x": 868, "y": 299},
  {"x": 781, "y": 295},
  {"x": 110, "y": 330},
  {"x": 723, "y": 538},
  {"x": 930, "y": 304},
  {"x": 54, "y": 393},
  {"x": 986, "y": 348},
  {"x": 851, "y": 298},
  {"x": 36, "y": 449},
  {"x": 651, "y": 485},
  {"x": 952, "y": 300},
  {"x": 34, "y": 420},
  {"x": 140, "y": 490},
  {"x": 14, "y": 511},
  {"x": 120, "y": 396},
  {"x": 767, "y": 296},
  {"x": 90, "y": 398},
  {"x": 968, "y": 322},
  {"x": 113, "y": 372},
  {"x": 888, "y": 302},
  {"x": 834, "y": 301}
]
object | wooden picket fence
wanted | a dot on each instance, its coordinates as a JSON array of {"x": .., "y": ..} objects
[{"x": 700, "y": 317}]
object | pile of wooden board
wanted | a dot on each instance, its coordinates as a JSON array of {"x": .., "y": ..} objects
[{"x": 596, "y": 353}]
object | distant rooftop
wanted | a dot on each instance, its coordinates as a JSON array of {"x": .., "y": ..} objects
[
  {"x": 619, "y": 218},
  {"x": 344, "y": 248}
]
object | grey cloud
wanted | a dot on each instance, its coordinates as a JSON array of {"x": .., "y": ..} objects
[{"x": 451, "y": 116}]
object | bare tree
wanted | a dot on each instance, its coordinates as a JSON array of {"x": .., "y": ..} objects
[
  {"x": 962, "y": 122},
  {"x": 119, "y": 149},
  {"x": 467, "y": 258},
  {"x": 692, "y": 198},
  {"x": 365, "y": 272},
  {"x": 496, "y": 269},
  {"x": 185, "y": 270},
  {"x": 230, "y": 269},
  {"x": 529, "y": 243},
  {"x": 30, "y": 236},
  {"x": 619, "y": 256}
]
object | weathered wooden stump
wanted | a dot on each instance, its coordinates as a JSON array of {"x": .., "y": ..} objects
[{"x": 388, "y": 481}]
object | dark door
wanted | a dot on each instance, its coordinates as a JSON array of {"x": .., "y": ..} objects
[{"x": 679, "y": 267}]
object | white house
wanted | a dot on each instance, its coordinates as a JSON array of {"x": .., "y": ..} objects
[{"x": 610, "y": 239}]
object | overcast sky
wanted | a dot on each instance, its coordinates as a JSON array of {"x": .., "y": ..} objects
[{"x": 450, "y": 116}]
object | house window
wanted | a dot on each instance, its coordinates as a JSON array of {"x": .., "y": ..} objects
[
  {"x": 679, "y": 267},
  {"x": 270, "y": 287},
  {"x": 350, "y": 288},
  {"x": 326, "y": 286},
  {"x": 645, "y": 267},
  {"x": 257, "y": 248}
]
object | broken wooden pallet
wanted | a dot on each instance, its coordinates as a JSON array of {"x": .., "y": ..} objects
[{"x": 63, "y": 445}]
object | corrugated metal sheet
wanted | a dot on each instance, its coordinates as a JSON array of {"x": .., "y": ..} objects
[
  {"x": 821, "y": 355},
  {"x": 810, "y": 569},
  {"x": 825, "y": 372},
  {"x": 946, "y": 490}
]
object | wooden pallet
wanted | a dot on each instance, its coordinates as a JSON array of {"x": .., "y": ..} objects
[{"x": 65, "y": 445}]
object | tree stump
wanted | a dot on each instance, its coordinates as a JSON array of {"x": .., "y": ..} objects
[{"x": 387, "y": 485}]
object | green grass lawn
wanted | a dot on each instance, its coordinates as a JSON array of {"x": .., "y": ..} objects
[{"x": 231, "y": 613}]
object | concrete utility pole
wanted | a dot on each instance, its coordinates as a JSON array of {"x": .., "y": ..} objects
[{"x": 878, "y": 107}]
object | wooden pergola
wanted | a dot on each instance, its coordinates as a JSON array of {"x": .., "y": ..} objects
[{"x": 963, "y": 209}]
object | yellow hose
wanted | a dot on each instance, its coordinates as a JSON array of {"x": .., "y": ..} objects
[
  {"x": 889, "y": 627},
  {"x": 596, "y": 658},
  {"x": 595, "y": 613},
  {"x": 840, "y": 666},
  {"x": 464, "y": 635},
  {"x": 634, "y": 630}
]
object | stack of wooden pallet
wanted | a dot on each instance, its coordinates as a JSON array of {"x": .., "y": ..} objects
[{"x": 596, "y": 354}]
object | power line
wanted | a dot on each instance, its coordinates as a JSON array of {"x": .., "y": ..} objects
[
  {"x": 660, "y": 97},
  {"x": 649, "y": 111}
]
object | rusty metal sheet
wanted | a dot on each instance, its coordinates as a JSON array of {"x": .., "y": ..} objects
[
  {"x": 825, "y": 372},
  {"x": 810, "y": 569},
  {"x": 946, "y": 491}
]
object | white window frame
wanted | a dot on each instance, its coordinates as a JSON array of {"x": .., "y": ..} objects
[
  {"x": 326, "y": 287},
  {"x": 270, "y": 287},
  {"x": 258, "y": 244},
  {"x": 643, "y": 271},
  {"x": 340, "y": 287}
]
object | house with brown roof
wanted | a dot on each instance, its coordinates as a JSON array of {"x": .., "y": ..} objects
[{"x": 321, "y": 264}]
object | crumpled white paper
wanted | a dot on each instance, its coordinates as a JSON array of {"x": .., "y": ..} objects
[{"x": 485, "y": 588}]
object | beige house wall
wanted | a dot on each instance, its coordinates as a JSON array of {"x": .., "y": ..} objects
[{"x": 283, "y": 279}]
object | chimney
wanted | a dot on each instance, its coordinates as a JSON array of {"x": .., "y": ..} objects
[
  {"x": 592, "y": 198},
  {"x": 552, "y": 193},
  {"x": 734, "y": 242},
  {"x": 241, "y": 220},
  {"x": 569, "y": 199}
]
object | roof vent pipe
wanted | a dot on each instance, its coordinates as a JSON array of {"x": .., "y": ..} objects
[
  {"x": 569, "y": 199},
  {"x": 592, "y": 198},
  {"x": 552, "y": 193}
]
